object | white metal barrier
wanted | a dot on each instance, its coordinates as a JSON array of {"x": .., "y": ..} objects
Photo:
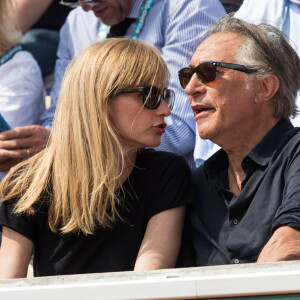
[{"x": 190, "y": 283}]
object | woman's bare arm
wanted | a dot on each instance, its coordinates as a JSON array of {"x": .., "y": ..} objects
[
  {"x": 15, "y": 253},
  {"x": 161, "y": 243}
]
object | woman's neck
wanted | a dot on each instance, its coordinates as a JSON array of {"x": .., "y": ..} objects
[{"x": 130, "y": 158}]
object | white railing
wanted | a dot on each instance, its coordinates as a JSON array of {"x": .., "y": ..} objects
[{"x": 189, "y": 283}]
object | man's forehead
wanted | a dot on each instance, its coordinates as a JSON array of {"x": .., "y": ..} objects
[{"x": 218, "y": 47}]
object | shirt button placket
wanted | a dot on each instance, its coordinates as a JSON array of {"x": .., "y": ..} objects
[{"x": 236, "y": 261}]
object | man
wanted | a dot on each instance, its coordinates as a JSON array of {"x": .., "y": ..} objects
[
  {"x": 171, "y": 25},
  {"x": 283, "y": 14},
  {"x": 242, "y": 84}
]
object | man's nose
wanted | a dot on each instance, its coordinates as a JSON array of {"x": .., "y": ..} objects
[
  {"x": 193, "y": 84},
  {"x": 87, "y": 8}
]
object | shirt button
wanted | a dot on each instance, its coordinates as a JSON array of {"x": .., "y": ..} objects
[
  {"x": 236, "y": 261},
  {"x": 235, "y": 221}
]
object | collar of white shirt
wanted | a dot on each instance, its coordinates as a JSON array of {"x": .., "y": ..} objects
[{"x": 135, "y": 9}]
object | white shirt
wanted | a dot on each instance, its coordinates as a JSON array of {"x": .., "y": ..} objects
[
  {"x": 22, "y": 98},
  {"x": 270, "y": 12}
]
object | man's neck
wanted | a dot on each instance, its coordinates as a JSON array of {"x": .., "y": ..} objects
[
  {"x": 241, "y": 140},
  {"x": 236, "y": 174},
  {"x": 238, "y": 147}
]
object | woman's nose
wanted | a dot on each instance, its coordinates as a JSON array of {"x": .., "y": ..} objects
[{"x": 163, "y": 109}]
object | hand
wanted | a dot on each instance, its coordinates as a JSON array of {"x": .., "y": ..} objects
[{"x": 20, "y": 143}]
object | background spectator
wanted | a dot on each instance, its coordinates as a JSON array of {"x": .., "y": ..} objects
[{"x": 21, "y": 84}]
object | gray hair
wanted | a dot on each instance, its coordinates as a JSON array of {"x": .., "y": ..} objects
[{"x": 267, "y": 50}]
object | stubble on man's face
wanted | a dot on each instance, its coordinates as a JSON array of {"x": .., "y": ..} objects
[{"x": 112, "y": 12}]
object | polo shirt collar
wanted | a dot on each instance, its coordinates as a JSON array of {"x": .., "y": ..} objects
[
  {"x": 264, "y": 150},
  {"x": 217, "y": 165},
  {"x": 216, "y": 168},
  {"x": 136, "y": 7}
]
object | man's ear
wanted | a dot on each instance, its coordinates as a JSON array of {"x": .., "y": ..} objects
[{"x": 268, "y": 86}]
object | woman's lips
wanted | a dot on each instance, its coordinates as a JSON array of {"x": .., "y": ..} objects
[{"x": 160, "y": 128}]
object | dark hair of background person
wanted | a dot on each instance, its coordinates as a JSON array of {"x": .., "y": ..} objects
[
  {"x": 54, "y": 17},
  {"x": 231, "y": 5}
]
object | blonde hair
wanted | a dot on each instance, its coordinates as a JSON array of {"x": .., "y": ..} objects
[
  {"x": 79, "y": 169},
  {"x": 10, "y": 34}
]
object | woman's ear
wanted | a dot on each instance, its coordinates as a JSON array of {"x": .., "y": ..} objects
[{"x": 267, "y": 88}]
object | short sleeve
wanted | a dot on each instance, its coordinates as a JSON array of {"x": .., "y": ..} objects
[
  {"x": 23, "y": 223},
  {"x": 288, "y": 214},
  {"x": 171, "y": 187}
]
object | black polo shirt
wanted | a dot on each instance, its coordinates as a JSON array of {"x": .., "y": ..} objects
[{"x": 228, "y": 229}]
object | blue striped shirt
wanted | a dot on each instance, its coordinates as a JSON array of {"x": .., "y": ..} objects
[{"x": 174, "y": 26}]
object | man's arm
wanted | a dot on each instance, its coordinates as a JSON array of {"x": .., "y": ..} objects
[
  {"x": 283, "y": 245},
  {"x": 29, "y": 11}
]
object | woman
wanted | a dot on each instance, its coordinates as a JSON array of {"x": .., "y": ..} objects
[
  {"x": 22, "y": 98},
  {"x": 95, "y": 200}
]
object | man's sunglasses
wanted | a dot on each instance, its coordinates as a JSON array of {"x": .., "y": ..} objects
[
  {"x": 152, "y": 96},
  {"x": 206, "y": 71}
]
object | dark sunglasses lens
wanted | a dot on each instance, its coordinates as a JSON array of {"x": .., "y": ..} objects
[
  {"x": 185, "y": 76},
  {"x": 169, "y": 97},
  {"x": 206, "y": 72},
  {"x": 151, "y": 97}
]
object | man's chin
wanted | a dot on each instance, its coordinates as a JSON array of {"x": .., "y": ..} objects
[
  {"x": 107, "y": 20},
  {"x": 205, "y": 134}
]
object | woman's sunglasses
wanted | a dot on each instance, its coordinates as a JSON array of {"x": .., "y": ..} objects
[
  {"x": 206, "y": 71},
  {"x": 152, "y": 96}
]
